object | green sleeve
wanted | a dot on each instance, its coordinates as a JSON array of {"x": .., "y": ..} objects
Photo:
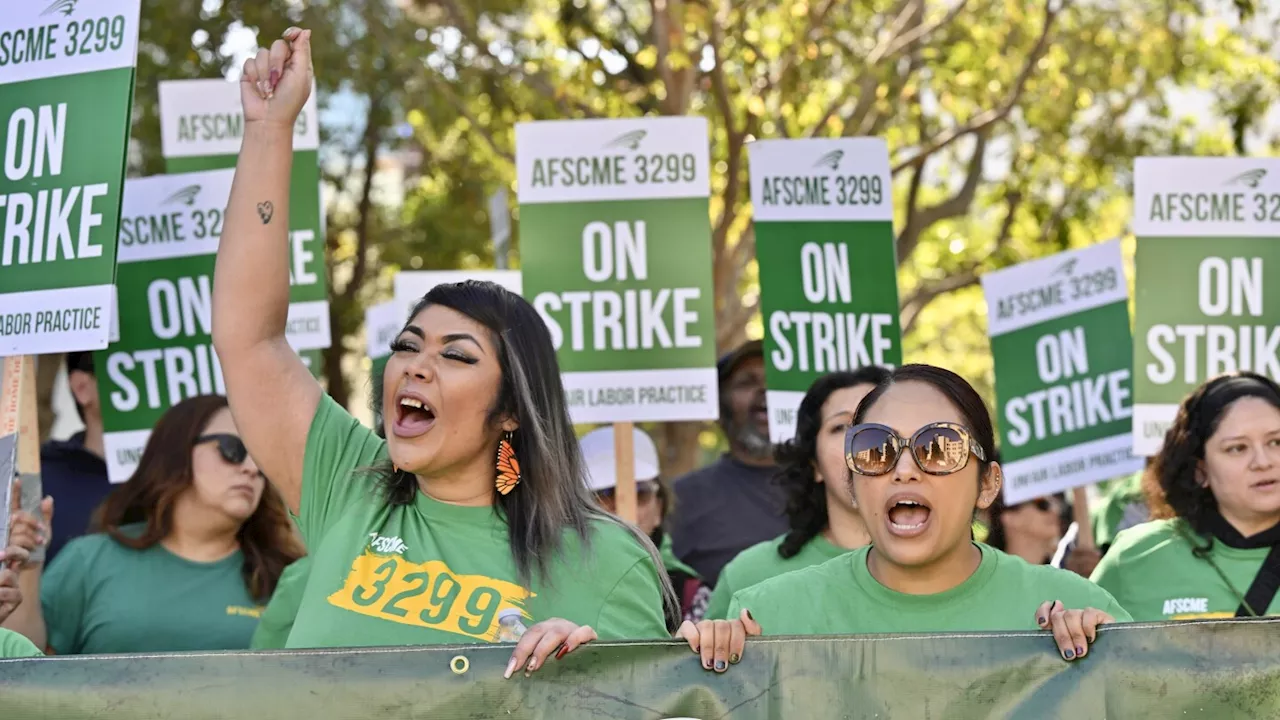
[
  {"x": 62, "y": 597},
  {"x": 736, "y": 603},
  {"x": 718, "y": 605},
  {"x": 1108, "y": 573},
  {"x": 277, "y": 620},
  {"x": 14, "y": 645},
  {"x": 338, "y": 446},
  {"x": 1116, "y": 610},
  {"x": 633, "y": 608}
]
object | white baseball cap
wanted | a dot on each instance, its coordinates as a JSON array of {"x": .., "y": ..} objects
[{"x": 597, "y": 451}]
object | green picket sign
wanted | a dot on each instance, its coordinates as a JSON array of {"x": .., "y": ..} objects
[
  {"x": 201, "y": 125},
  {"x": 1206, "y": 234},
  {"x": 66, "y": 92},
  {"x": 410, "y": 286},
  {"x": 382, "y": 322},
  {"x": 616, "y": 257},
  {"x": 169, "y": 230},
  {"x": 828, "y": 274},
  {"x": 1059, "y": 330}
]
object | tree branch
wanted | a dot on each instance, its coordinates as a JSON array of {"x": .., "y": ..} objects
[
  {"x": 365, "y": 206},
  {"x": 476, "y": 126},
  {"x": 736, "y": 137},
  {"x": 984, "y": 120},
  {"x": 922, "y": 32},
  {"x": 537, "y": 80},
  {"x": 868, "y": 81},
  {"x": 969, "y": 275},
  {"x": 919, "y": 220}
]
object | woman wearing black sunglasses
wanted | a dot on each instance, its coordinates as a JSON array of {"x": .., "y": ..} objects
[
  {"x": 185, "y": 553},
  {"x": 1030, "y": 530},
  {"x": 918, "y": 451}
]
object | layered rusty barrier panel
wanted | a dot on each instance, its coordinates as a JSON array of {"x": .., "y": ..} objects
[{"x": 1216, "y": 669}]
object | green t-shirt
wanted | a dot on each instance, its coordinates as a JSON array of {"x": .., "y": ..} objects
[
  {"x": 840, "y": 597},
  {"x": 14, "y": 645},
  {"x": 1121, "y": 508},
  {"x": 668, "y": 555},
  {"x": 431, "y": 573},
  {"x": 99, "y": 596},
  {"x": 1151, "y": 570},
  {"x": 277, "y": 619},
  {"x": 761, "y": 562}
]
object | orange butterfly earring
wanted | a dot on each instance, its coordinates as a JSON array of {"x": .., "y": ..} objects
[{"x": 508, "y": 467}]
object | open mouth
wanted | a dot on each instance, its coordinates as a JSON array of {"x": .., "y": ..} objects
[
  {"x": 907, "y": 516},
  {"x": 414, "y": 416},
  {"x": 759, "y": 412}
]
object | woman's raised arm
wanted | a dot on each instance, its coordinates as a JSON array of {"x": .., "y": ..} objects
[{"x": 272, "y": 395}]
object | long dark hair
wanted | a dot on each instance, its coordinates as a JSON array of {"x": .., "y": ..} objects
[
  {"x": 958, "y": 391},
  {"x": 1170, "y": 481},
  {"x": 165, "y": 472},
  {"x": 806, "y": 499},
  {"x": 552, "y": 495}
]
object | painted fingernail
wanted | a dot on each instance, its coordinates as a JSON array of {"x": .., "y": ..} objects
[
  {"x": 564, "y": 650},
  {"x": 720, "y": 665},
  {"x": 1040, "y": 620},
  {"x": 1079, "y": 652},
  {"x": 733, "y": 659},
  {"x": 706, "y": 664},
  {"x": 511, "y": 667},
  {"x": 533, "y": 665},
  {"x": 275, "y": 77},
  {"x": 1068, "y": 654}
]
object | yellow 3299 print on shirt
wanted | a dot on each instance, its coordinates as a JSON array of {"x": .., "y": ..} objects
[
  {"x": 431, "y": 595},
  {"x": 432, "y": 573}
]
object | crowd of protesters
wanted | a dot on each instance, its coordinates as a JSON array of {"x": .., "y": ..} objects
[{"x": 272, "y": 518}]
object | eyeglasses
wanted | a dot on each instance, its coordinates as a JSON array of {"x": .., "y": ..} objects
[
  {"x": 231, "y": 447},
  {"x": 940, "y": 448},
  {"x": 1042, "y": 504}
]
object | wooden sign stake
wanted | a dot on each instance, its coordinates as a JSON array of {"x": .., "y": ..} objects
[{"x": 624, "y": 453}]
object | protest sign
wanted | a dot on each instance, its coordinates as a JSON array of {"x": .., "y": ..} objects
[
  {"x": 828, "y": 274},
  {"x": 169, "y": 231},
  {"x": 411, "y": 285},
  {"x": 1059, "y": 330},
  {"x": 1207, "y": 234},
  {"x": 616, "y": 256},
  {"x": 381, "y": 324},
  {"x": 66, "y": 91},
  {"x": 201, "y": 125}
]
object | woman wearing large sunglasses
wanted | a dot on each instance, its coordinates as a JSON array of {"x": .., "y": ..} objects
[
  {"x": 187, "y": 552},
  {"x": 918, "y": 452}
]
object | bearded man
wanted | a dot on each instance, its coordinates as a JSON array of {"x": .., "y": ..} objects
[{"x": 733, "y": 503}]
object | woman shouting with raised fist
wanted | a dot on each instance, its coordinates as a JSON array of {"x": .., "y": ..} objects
[{"x": 472, "y": 520}]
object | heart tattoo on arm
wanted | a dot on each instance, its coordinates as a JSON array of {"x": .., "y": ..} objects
[{"x": 265, "y": 210}]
